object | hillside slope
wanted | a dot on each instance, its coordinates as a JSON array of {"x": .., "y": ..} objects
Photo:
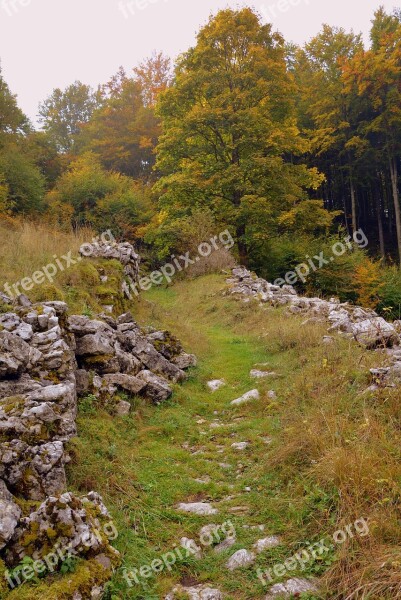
[{"x": 321, "y": 458}]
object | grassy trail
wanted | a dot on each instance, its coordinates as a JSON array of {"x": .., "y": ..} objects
[{"x": 146, "y": 463}]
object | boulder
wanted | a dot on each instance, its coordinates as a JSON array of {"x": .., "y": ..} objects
[
  {"x": 14, "y": 355},
  {"x": 10, "y": 514},
  {"x": 374, "y": 332},
  {"x": 156, "y": 388}
]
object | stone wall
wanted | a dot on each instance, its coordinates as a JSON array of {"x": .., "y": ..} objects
[{"x": 47, "y": 360}]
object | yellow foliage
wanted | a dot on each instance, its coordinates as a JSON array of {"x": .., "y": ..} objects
[{"x": 368, "y": 283}]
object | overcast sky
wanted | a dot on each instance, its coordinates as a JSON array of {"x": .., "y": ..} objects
[{"x": 51, "y": 43}]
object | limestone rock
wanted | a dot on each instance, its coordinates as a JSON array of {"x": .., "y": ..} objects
[
  {"x": 14, "y": 355},
  {"x": 10, "y": 514},
  {"x": 266, "y": 543},
  {"x": 198, "y": 592},
  {"x": 241, "y": 558},
  {"x": 215, "y": 384},
  {"x": 295, "y": 586},
  {"x": 156, "y": 388},
  {"x": 197, "y": 508},
  {"x": 252, "y": 395}
]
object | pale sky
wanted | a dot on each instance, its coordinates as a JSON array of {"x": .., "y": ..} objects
[{"x": 46, "y": 44}]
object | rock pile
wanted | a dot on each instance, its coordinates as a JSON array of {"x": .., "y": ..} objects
[
  {"x": 124, "y": 252},
  {"x": 47, "y": 359},
  {"x": 363, "y": 325}
]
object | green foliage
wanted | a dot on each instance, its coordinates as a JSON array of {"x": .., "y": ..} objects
[
  {"x": 69, "y": 565},
  {"x": 390, "y": 293},
  {"x": 65, "y": 112},
  {"x": 23, "y": 184},
  {"x": 229, "y": 124},
  {"x": 97, "y": 197}
]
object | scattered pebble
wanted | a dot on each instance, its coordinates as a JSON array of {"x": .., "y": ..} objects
[
  {"x": 198, "y": 592},
  {"x": 266, "y": 543},
  {"x": 256, "y": 374},
  {"x": 215, "y": 384},
  {"x": 291, "y": 587},
  {"x": 241, "y": 558},
  {"x": 252, "y": 395},
  {"x": 197, "y": 508},
  {"x": 240, "y": 445},
  {"x": 191, "y": 545}
]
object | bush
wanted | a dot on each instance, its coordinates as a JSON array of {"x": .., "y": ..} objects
[{"x": 390, "y": 293}]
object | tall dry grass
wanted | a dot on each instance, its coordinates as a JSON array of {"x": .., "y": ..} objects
[{"x": 29, "y": 246}]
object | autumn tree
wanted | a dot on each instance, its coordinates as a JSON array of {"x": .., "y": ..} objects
[
  {"x": 377, "y": 75},
  {"x": 230, "y": 137},
  {"x": 154, "y": 76},
  {"x": 63, "y": 114},
  {"x": 327, "y": 110},
  {"x": 124, "y": 131}
]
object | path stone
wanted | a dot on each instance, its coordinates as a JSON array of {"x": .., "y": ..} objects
[
  {"x": 197, "y": 508},
  {"x": 240, "y": 445},
  {"x": 224, "y": 545},
  {"x": 291, "y": 587},
  {"x": 256, "y": 374},
  {"x": 242, "y": 558},
  {"x": 252, "y": 395},
  {"x": 123, "y": 408},
  {"x": 215, "y": 384},
  {"x": 203, "y": 480},
  {"x": 266, "y": 543},
  {"x": 191, "y": 546},
  {"x": 198, "y": 592}
]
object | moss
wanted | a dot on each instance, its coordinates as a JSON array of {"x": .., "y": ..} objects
[
  {"x": 12, "y": 403},
  {"x": 3, "y": 583},
  {"x": 98, "y": 360},
  {"x": 53, "y": 376},
  {"x": 63, "y": 587}
]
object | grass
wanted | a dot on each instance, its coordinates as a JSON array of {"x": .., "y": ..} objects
[
  {"x": 29, "y": 247},
  {"x": 334, "y": 458}
]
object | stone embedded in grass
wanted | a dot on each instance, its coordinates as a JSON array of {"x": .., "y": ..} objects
[
  {"x": 123, "y": 408},
  {"x": 256, "y": 374},
  {"x": 271, "y": 394},
  {"x": 242, "y": 558},
  {"x": 291, "y": 587},
  {"x": 203, "y": 480},
  {"x": 266, "y": 543},
  {"x": 252, "y": 395},
  {"x": 240, "y": 445},
  {"x": 224, "y": 545},
  {"x": 197, "y": 508},
  {"x": 215, "y": 384},
  {"x": 198, "y": 592},
  {"x": 191, "y": 546}
]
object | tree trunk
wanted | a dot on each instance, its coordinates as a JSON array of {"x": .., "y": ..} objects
[
  {"x": 380, "y": 224},
  {"x": 242, "y": 247},
  {"x": 396, "y": 198},
  {"x": 353, "y": 206}
]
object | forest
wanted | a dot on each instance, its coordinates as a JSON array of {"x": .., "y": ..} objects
[{"x": 290, "y": 148}]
